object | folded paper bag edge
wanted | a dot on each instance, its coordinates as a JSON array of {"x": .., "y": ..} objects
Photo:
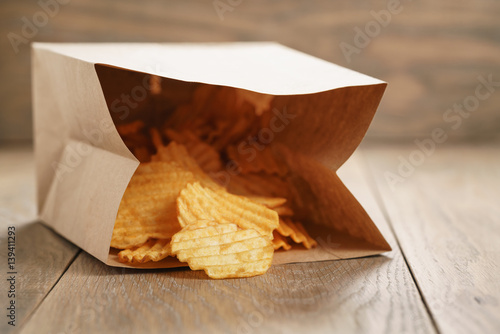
[
  {"x": 252, "y": 60},
  {"x": 68, "y": 100}
]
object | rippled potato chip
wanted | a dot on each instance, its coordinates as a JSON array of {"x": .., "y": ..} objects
[
  {"x": 226, "y": 251},
  {"x": 130, "y": 128},
  {"x": 196, "y": 203},
  {"x": 269, "y": 202},
  {"x": 205, "y": 155},
  {"x": 296, "y": 232},
  {"x": 178, "y": 153},
  {"x": 255, "y": 161},
  {"x": 284, "y": 210},
  {"x": 258, "y": 184},
  {"x": 280, "y": 241},
  {"x": 148, "y": 207},
  {"x": 153, "y": 250}
]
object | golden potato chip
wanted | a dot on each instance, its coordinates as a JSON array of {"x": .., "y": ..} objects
[
  {"x": 204, "y": 155},
  {"x": 284, "y": 211},
  {"x": 222, "y": 254},
  {"x": 204, "y": 246},
  {"x": 249, "y": 269},
  {"x": 203, "y": 230},
  {"x": 270, "y": 202},
  {"x": 130, "y": 128},
  {"x": 178, "y": 153},
  {"x": 296, "y": 232},
  {"x": 258, "y": 184},
  {"x": 255, "y": 161},
  {"x": 196, "y": 202},
  {"x": 284, "y": 229},
  {"x": 232, "y": 131},
  {"x": 280, "y": 241},
  {"x": 148, "y": 207},
  {"x": 153, "y": 250}
]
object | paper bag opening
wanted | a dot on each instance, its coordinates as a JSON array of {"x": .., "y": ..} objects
[
  {"x": 313, "y": 134},
  {"x": 313, "y": 114}
]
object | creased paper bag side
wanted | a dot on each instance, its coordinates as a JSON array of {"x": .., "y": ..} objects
[{"x": 82, "y": 164}]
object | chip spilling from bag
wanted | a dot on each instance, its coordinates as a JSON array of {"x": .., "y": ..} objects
[{"x": 199, "y": 197}]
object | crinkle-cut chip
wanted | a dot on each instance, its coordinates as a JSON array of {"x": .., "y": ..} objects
[
  {"x": 227, "y": 253},
  {"x": 296, "y": 232},
  {"x": 130, "y": 128},
  {"x": 196, "y": 231},
  {"x": 196, "y": 202},
  {"x": 280, "y": 241},
  {"x": 214, "y": 239},
  {"x": 258, "y": 184},
  {"x": 257, "y": 254},
  {"x": 204, "y": 155},
  {"x": 270, "y": 202},
  {"x": 284, "y": 211},
  {"x": 235, "y": 246},
  {"x": 283, "y": 228},
  {"x": 233, "y": 131},
  {"x": 153, "y": 250},
  {"x": 257, "y": 161},
  {"x": 148, "y": 207},
  {"x": 241, "y": 270},
  {"x": 178, "y": 153}
]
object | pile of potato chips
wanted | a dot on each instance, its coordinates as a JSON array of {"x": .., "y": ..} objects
[{"x": 177, "y": 205}]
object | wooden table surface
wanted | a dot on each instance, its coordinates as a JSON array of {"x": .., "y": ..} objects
[{"x": 443, "y": 275}]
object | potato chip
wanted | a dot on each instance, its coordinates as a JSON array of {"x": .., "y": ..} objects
[
  {"x": 284, "y": 210},
  {"x": 196, "y": 202},
  {"x": 178, "y": 153},
  {"x": 296, "y": 232},
  {"x": 130, "y": 128},
  {"x": 204, "y": 155},
  {"x": 202, "y": 230},
  {"x": 148, "y": 207},
  {"x": 270, "y": 202},
  {"x": 222, "y": 254},
  {"x": 153, "y": 250},
  {"x": 255, "y": 161},
  {"x": 258, "y": 184},
  {"x": 280, "y": 241},
  {"x": 240, "y": 270}
]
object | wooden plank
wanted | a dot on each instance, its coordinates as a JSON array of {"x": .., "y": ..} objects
[
  {"x": 372, "y": 294},
  {"x": 41, "y": 256},
  {"x": 446, "y": 218}
]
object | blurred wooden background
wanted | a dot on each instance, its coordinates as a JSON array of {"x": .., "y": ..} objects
[{"x": 430, "y": 52}]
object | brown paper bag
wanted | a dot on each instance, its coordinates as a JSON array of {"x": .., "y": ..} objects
[{"x": 81, "y": 91}]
